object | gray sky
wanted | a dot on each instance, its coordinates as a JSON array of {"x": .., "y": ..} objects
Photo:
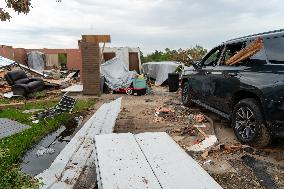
[{"x": 148, "y": 24}]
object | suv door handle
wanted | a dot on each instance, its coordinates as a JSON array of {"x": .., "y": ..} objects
[
  {"x": 207, "y": 73},
  {"x": 232, "y": 74}
]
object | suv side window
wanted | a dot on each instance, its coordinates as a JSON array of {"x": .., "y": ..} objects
[
  {"x": 231, "y": 50},
  {"x": 274, "y": 47},
  {"x": 212, "y": 57},
  {"x": 259, "y": 57}
]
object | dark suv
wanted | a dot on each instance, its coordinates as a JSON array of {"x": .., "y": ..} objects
[{"x": 250, "y": 94}]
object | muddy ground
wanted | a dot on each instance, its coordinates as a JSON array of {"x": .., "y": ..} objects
[{"x": 231, "y": 164}]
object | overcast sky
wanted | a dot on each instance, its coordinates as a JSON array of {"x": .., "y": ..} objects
[{"x": 148, "y": 24}]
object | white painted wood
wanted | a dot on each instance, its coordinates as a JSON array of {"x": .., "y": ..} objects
[
  {"x": 74, "y": 88},
  {"x": 111, "y": 117},
  {"x": 171, "y": 165},
  {"x": 122, "y": 164},
  {"x": 206, "y": 143},
  {"x": 69, "y": 164}
]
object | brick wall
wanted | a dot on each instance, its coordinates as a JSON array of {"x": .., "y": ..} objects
[
  {"x": 20, "y": 56},
  {"x": 91, "y": 68},
  {"x": 7, "y": 51},
  {"x": 74, "y": 59}
]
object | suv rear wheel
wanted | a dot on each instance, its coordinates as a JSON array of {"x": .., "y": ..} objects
[
  {"x": 248, "y": 123},
  {"x": 185, "y": 96}
]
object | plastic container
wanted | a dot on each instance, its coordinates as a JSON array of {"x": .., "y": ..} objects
[
  {"x": 173, "y": 81},
  {"x": 139, "y": 83}
]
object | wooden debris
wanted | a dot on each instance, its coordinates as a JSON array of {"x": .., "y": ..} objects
[
  {"x": 247, "y": 52},
  {"x": 164, "y": 164},
  {"x": 202, "y": 132},
  {"x": 199, "y": 118},
  {"x": 205, "y": 154},
  {"x": 5, "y": 88},
  {"x": 78, "y": 154},
  {"x": 12, "y": 105}
]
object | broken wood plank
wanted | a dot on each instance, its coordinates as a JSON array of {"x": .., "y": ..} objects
[
  {"x": 65, "y": 171},
  {"x": 171, "y": 165},
  {"x": 122, "y": 164},
  {"x": 12, "y": 105},
  {"x": 74, "y": 88},
  {"x": 96, "y": 38},
  {"x": 247, "y": 52}
]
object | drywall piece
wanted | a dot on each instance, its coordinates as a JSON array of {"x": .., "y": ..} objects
[
  {"x": 73, "y": 89},
  {"x": 206, "y": 143},
  {"x": 9, "y": 127},
  {"x": 171, "y": 165},
  {"x": 10, "y": 95},
  {"x": 122, "y": 164},
  {"x": 66, "y": 169}
]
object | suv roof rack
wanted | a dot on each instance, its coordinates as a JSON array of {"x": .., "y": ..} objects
[{"x": 264, "y": 33}]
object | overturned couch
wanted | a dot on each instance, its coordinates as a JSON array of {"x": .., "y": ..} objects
[{"x": 21, "y": 84}]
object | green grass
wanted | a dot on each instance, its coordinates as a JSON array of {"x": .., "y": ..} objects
[{"x": 14, "y": 147}]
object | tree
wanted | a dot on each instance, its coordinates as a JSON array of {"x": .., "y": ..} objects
[
  {"x": 19, "y": 6},
  {"x": 186, "y": 56}
]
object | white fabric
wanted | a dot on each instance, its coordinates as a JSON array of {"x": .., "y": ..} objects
[
  {"x": 5, "y": 61},
  {"x": 116, "y": 74},
  {"x": 159, "y": 70}
]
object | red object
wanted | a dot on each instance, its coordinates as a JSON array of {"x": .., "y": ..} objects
[{"x": 130, "y": 90}]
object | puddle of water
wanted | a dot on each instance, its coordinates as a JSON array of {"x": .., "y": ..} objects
[{"x": 32, "y": 164}]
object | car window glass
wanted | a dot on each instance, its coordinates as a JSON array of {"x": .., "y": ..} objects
[
  {"x": 259, "y": 57},
  {"x": 231, "y": 50},
  {"x": 274, "y": 48},
  {"x": 212, "y": 58}
]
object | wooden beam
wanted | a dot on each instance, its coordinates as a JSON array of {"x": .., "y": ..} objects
[{"x": 96, "y": 38}]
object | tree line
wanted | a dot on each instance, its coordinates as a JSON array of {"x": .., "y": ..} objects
[{"x": 186, "y": 56}]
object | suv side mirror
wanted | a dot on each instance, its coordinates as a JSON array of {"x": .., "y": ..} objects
[{"x": 197, "y": 65}]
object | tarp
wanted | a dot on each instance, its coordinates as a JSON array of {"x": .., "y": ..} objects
[
  {"x": 35, "y": 60},
  {"x": 159, "y": 70},
  {"x": 5, "y": 62},
  {"x": 116, "y": 74}
]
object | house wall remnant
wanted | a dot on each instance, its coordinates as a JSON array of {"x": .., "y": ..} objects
[
  {"x": 124, "y": 53},
  {"x": 90, "y": 68},
  {"x": 74, "y": 56},
  {"x": 7, "y": 51}
]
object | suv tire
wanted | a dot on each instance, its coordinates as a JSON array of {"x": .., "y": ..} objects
[
  {"x": 249, "y": 124},
  {"x": 185, "y": 96}
]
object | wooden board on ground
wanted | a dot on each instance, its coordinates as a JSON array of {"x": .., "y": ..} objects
[
  {"x": 147, "y": 160},
  {"x": 122, "y": 163},
  {"x": 73, "y": 89},
  {"x": 172, "y": 166}
]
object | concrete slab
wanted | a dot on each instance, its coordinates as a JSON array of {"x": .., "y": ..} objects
[{"x": 9, "y": 127}]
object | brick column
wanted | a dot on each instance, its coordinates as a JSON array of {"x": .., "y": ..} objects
[{"x": 90, "y": 67}]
